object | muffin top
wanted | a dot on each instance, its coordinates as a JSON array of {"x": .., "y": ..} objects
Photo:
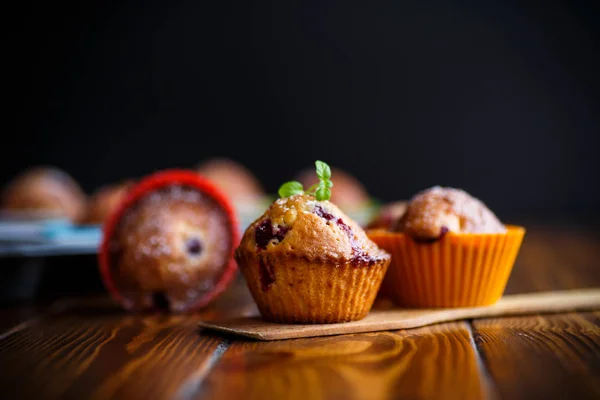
[
  {"x": 436, "y": 211},
  {"x": 302, "y": 226}
]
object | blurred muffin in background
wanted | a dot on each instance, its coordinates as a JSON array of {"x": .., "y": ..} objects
[
  {"x": 235, "y": 180},
  {"x": 388, "y": 215},
  {"x": 44, "y": 192},
  {"x": 347, "y": 192},
  {"x": 104, "y": 201}
]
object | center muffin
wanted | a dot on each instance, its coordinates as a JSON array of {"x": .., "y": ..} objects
[{"x": 305, "y": 261}]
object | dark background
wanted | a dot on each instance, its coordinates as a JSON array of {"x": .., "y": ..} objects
[{"x": 500, "y": 99}]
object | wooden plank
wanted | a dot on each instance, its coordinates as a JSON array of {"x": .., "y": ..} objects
[
  {"x": 433, "y": 362},
  {"x": 551, "y": 356},
  {"x": 554, "y": 258},
  {"x": 104, "y": 356},
  {"x": 543, "y": 357},
  {"x": 15, "y": 317},
  {"x": 385, "y": 320},
  {"x": 92, "y": 349}
]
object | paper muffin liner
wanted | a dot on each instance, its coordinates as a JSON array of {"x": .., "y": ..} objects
[
  {"x": 290, "y": 289},
  {"x": 459, "y": 270}
]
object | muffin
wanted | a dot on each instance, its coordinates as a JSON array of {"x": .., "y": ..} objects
[
  {"x": 348, "y": 193},
  {"x": 448, "y": 250},
  {"x": 306, "y": 262},
  {"x": 104, "y": 201},
  {"x": 233, "y": 179},
  {"x": 169, "y": 244},
  {"x": 388, "y": 215},
  {"x": 437, "y": 211},
  {"x": 45, "y": 192}
]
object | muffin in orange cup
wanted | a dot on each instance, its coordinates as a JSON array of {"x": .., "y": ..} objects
[
  {"x": 305, "y": 261},
  {"x": 448, "y": 250}
]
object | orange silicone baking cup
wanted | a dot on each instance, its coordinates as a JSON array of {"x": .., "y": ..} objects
[{"x": 459, "y": 270}]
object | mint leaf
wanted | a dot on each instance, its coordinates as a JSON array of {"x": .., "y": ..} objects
[
  {"x": 323, "y": 170},
  {"x": 290, "y": 188},
  {"x": 321, "y": 191},
  {"x": 323, "y": 194}
]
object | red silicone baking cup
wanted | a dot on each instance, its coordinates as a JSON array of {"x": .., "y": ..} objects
[{"x": 155, "y": 182}]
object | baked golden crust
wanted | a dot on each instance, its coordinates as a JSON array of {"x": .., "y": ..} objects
[
  {"x": 173, "y": 242},
  {"x": 347, "y": 192},
  {"x": 46, "y": 190},
  {"x": 296, "y": 290},
  {"x": 435, "y": 211},
  {"x": 301, "y": 226}
]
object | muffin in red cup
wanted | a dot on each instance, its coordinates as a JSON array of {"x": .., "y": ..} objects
[
  {"x": 169, "y": 244},
  {"x": 44, "y": 192},
  {"x": 448, "y": 250},
  {"x": 104, "y": 201},
  {"x": 305, "y": 261}
]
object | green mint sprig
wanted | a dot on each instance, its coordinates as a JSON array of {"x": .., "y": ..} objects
[{"x": 321, "y": 190}]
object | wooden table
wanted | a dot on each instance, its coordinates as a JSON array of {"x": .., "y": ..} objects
[{"x": 88, "y": 348}]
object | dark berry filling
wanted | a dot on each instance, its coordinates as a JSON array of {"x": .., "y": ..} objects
[
  {"x": 443, "y": 231},
  {"x": 160, "y": 301},
  {"x": 358, "y": 254},
  {"x": 194, "y": 246},
  {"x": 266, "y": 274},
  {"x": 324, "y": 214},
  {"x": 265, "y": 233}
]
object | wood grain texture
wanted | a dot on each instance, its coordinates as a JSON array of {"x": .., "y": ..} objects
[
  {"x": 543, "y": 357},
  {"x": 11, "y": 317},
  {"x": 92, "y": 349},
  {"x": 104, "y": 356},
  {"x": 555, "y": 258},
  {"x": 384, "y": 320},
  {"x": 547, "y": 356},
  {"x": 436, "y": 362}
]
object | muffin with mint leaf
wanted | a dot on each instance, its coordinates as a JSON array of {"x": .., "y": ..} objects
[{"x": 305, "y": 261}]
